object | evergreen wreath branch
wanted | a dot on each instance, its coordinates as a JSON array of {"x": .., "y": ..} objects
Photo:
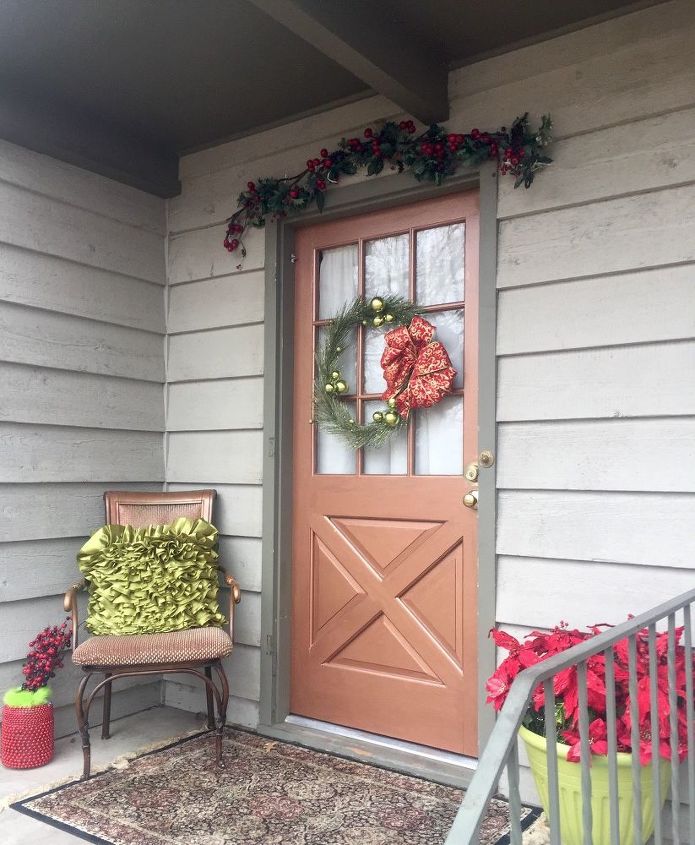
[
  {"x": 433, "y": 155},
  {"x": 330, "y": 411}
]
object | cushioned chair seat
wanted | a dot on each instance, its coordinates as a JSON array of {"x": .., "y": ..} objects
[{"x": 191, "y": 646}]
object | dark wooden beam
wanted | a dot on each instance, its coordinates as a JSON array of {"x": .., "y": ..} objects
[
  {"x": 360, "y": 36},
  {"x": 87, "y": 142}
]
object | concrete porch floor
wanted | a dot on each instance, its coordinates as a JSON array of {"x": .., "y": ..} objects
[{"x": 127, "y": 735}]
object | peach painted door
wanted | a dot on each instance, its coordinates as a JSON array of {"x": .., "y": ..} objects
[{"x": 384, "y": 552}]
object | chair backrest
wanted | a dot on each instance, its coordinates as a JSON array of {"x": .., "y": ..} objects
[{"x": 139, "y": 509}]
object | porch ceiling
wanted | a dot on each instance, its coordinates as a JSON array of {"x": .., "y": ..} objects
[{"x": 123, "y": 87}]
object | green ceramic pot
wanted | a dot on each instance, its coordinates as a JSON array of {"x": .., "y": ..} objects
[{"x": 569, "y": 777}]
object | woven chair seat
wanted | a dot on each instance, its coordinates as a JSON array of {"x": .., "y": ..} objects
[{"x": 196, "y": 645}]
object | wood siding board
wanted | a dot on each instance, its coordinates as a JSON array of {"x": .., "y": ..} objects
[
  {"x": 225, "y": 301},
  {"x": 29, "y": 454},
  {"x": 36, "y": 568},
  {"x": 36, "y": 395},
  {"x": 313, "y": 127},
  {"x": 199, "y": 254},
  {"x": 241, "y": 711},
  {"x": 237, "y": 507},
  {"x": 124, "y": 702},
  {"x": 56, "y": 284},
  {"x": 241, "y": 557},
  {"x": 228, "y": 457},
  {"x": 40, "y": 511},
  {"x": 598, "y": 455},
  {"x": 631, "y": 381},
  {"x": 243, "y": 671},
  {"x": 645, "y": 528},
  {"x": 57, "y": 180},
  {"x": 642, "y": 231},
  {"x": 30, "y": 220},
  {"x": 43, "y": 338},
  {"x": 632, "y": 158},
  {"x": 621, "y": 590},
  {"x": 605, "y": 311},
  {"x": 647, "y": 77},
  {"x": 222, "y": 353},
  {"x": 222, "y": 404}
]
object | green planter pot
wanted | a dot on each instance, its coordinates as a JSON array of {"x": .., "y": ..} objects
[{"x": 569, "y": 777}]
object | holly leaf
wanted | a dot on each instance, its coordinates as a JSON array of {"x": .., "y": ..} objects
[
  {"x": 320, "y": 200},
  {"x": 376, "y": 165}
]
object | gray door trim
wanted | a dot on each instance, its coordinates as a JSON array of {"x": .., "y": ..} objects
[{"x": 278, "y": 418}]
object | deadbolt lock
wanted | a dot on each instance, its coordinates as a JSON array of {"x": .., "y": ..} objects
[
  {"x": 471, "y": 472},
  {"x": 486, "y": 458}
]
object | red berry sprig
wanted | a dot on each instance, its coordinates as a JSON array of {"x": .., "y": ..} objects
[
  {"x": 44, "y": 657},
  {"x": 433, "y": 155}
]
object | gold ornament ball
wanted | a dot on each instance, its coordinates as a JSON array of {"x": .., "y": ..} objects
[
  {"x": 377, "y": 416},
  {"x": 341, "y": 387},
  {"x": 378, "y": 321},
  {"x": 335, "y": 375},
  {"x": 392, "y": 402},
  {"x": 339, "y": 349},
  {"x": 388, "y": 318},
  {"x": 377, "y": 304},
  {"x": 329, "y": 388},
  {"x": 391, "y": 418},
  {"x": 352, "y": 422},
  {"x": 365, "y": 322}
]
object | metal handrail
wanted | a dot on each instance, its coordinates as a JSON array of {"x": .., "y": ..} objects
[{"x": 502, "y": 744}]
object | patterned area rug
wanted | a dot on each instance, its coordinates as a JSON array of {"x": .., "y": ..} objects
[{"x": 270, "y": 792}]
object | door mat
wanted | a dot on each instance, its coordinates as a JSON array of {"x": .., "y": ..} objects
[{"x": 270, "y": 792}]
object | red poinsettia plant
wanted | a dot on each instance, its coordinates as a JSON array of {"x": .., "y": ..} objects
[{"x": 538, "y": 646}]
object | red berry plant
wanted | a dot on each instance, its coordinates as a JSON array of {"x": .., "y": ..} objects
[
  {"x": 45, "y": 656},
  {"x": 431, "y": 155},
  {"x": 538, "y": 646}
]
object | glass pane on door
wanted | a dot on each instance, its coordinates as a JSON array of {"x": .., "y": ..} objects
[
  {"x": 439, "y": 438},
  {"x": 386, "y": 263},
  {"x": 338, "y": 279},
  {"x": 439, "y": 274}
]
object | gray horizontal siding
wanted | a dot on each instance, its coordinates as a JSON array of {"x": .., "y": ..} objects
[{"x": 81, "y": 374}]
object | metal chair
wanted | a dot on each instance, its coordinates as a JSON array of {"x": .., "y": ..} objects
[{"x": 153, "y": 654}]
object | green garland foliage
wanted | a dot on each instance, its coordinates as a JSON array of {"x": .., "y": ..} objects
[
  {"x": 432, "y": 155},
  {"x": 331, "y": 412}
]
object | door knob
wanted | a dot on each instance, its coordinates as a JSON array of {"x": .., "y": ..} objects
[{"x": 470, "y": 500}]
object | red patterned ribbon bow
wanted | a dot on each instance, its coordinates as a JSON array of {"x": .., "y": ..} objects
[{"x": 416, "y": 369}]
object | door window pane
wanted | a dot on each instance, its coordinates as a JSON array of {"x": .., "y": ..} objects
[
  {"x": 440, "y": 265},
  {"x": 373, "y": 350},
  {"x": 439, "y": 438},
  {"x": 449, "y": 332},
  {"x": 333, "y": 456},
  {"x": 386, "y": 267},
  {"x": 337, "y": 279},
  {"x": 390, "y": 459}
]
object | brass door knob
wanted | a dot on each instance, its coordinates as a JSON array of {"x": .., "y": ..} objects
[{"x": 470, "y": 500}]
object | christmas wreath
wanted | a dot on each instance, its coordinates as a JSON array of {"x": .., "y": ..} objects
[
  {"x": 432, "y": 155},
  {"x": 417, "y": 370}
]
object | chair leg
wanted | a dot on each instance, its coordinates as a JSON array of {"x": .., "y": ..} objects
[
  {"x": 209, "y": 698},
  {"x": 222, "y": 711},
  {"x": 83, "y": 726},
  {"x": 106, "y": 719}
]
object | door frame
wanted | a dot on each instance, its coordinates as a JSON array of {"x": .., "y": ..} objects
[{"x": 276, "y": 594}]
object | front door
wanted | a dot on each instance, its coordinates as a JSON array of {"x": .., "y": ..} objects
[{"x": 384, "y": 552}]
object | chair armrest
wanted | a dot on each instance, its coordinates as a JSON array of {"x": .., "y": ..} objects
[
  {"x": 234, "y": 597},
  {"x": 70, "y": 606}
]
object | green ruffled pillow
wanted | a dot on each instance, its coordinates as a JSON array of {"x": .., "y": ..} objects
[{"x": 153, "y": 579}]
